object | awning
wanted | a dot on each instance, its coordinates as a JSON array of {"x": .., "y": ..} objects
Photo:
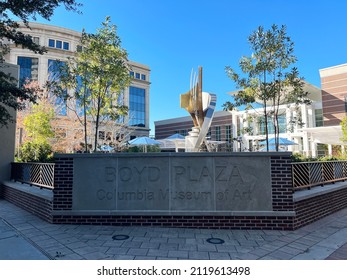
[{"x": 325, "y": 135}]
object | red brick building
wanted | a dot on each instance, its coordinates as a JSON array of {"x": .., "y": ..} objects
[{"x": 334, "y": 94}]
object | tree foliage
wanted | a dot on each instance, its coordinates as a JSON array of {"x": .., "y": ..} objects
[
  {"x": 268, "y": 76},
  {"x": 11, "y": 96},
  {"x": 38, "y": 123},
  {"x": 344, "y": 129},
  {"x": 96, "y": 77},
  {"x": 35, "y": 152},
  {"x": 38, "y": 129}
]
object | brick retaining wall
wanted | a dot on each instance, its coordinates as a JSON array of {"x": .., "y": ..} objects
[
  {"x": 300, "y": 211},
  {"x": 31, "y": 202},
  {"x": 314, "y": 208}
]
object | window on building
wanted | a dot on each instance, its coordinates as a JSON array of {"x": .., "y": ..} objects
[
  {"x": 66, "y": 46},
  {"x": 208, "y": 135},
  {"x": 282, "y": 122},
  {"x": 108, "y": 135},
  {"x": 228, "y": 133},
  {"x": 53, "y": 75},
  {"x": 101, "y": 135},
  {"x": 218, "y": 133},
  {"x": 60, "y": 133},
  {"x": 132, "y": 74},
  {"x": 51, "y": 43},
  {"x": 183, "y": 132},
  {"x": 137, "y": 106},
  {"x": 318, "y": 114},
  {"x": 28, "y": 70},
  {"x": 143, "y": 77},
  {"x": 137, "y": 75},
  {"x": 79, "y": 48},
  {"x": 58, "y": 44}
]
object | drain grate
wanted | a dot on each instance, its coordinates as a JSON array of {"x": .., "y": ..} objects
[
  {"x": 120, "y": 237},
  {"x": 215, "y": 240}
]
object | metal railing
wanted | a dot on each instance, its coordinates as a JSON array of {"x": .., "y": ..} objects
[
  {"x": 308, "y": 174},
  {"x": 35, "y": 174}
]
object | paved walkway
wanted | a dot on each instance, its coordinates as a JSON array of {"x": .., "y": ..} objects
[{"x": 24, "y": 236}]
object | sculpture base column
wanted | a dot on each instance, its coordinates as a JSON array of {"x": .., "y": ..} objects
[{"x": 191, "y": 139}]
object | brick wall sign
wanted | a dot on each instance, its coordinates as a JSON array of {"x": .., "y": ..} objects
[{"x": 169, "y": 184}]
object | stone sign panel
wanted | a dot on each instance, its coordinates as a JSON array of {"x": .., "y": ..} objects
[
  {"x": 192, "y": 184},
  {"x": 169, "y": 184},
  {"x": 142, "y": 184}
]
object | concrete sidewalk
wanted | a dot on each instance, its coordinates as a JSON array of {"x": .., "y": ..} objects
[{"x": 24, "y": 236}]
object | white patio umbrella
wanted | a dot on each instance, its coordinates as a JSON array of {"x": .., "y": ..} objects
[
  {"x": 105, "y": 148},
  {"x": 143, "y": 141},
  {"x": 175, "y": 136},
  {"x": 281, "y": 141},
  {"x": 176, "y": 139}
]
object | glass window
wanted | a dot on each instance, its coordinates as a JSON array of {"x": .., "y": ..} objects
[
  {"x": 282, "y": 122},
  {"x": 218, "y": 133},
  {"x": 137, "y": 106},
  {"x": 66, "y": 46},
  {"x": 228, "y": 134},
  {"x": 143, "y": 77},
  {"x": 28, "y": 69},
  {"x": 51, "y": 43},
  {"x": 132, "y": 74},
  {"x": 109, "y": 136},
  {"x": 208, "y": 135},
  {"x": 318, "y": 113},
  {"x": 79, "y": 48},
  {"x": 58, "y": 44},
  {"x": 183, "y": 132},
  {"x": 60, "y": 133},
  {"x": 137, "y": 75},
  {"x": 53, "y": 74},
  {"x": 101, "y": 135}
]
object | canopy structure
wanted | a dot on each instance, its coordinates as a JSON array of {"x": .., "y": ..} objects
[
  {"x": 175, "y": 136},
  {"x": 281, "y": 142},
  {"x": 105, "y": 148},
  {"x": 143, "y": 141},
  {"x": 175, "y": 141},
  {"x": 330, "y": 135}
]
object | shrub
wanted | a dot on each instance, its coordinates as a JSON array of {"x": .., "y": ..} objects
[{"x": 35, "y": 152}]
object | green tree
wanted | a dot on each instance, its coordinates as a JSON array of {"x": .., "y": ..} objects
[
  {"x": 96, "y": 77},
  {"x": 268, "y": 80},
  {"x": 344, "y": 129},
  {"x": 11, "y": 96},
  {"x": 38, "y": 123}
]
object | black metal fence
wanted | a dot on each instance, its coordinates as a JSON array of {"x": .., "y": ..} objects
[
  {"x": 36, "y": 174},
  {"x": 309, "y": 174}
]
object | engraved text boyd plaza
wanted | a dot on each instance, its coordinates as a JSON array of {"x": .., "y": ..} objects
[
  {"x": 169, "y": 183},
  {"x": 150, "y": 174}
]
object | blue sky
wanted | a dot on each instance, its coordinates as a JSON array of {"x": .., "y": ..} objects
[{"x": 172, "y": 37}]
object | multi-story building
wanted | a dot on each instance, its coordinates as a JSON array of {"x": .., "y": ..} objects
[
  {"x": 62, "y": 43},
  {"x": 334, "y": 94},
  {"x": 220, "y": 130},
  {"x": 249, "y": 125}
]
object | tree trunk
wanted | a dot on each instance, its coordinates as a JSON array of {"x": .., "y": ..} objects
[{"x": 85, "y": 125}]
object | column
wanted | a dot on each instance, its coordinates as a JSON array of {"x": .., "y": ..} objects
[{"x": 330, "y": 150}]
